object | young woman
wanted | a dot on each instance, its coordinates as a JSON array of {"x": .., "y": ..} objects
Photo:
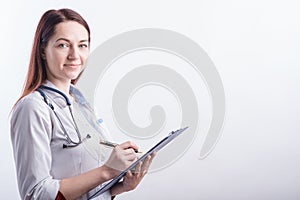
[{"x": 51, "y": 162}]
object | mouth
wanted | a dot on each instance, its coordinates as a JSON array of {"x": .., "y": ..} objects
[{"x": 72, "y": 65}]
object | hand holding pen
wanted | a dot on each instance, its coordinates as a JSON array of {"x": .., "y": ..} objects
[{"x": 122, "y": 155}]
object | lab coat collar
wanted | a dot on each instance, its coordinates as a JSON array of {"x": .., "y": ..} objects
[{"x": 57, "y": 98}]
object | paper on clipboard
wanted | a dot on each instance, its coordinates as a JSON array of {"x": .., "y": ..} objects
[{"x": 155, "y": 148}]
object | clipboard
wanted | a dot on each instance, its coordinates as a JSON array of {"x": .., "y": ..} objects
[{"x": 172, "y": 135}]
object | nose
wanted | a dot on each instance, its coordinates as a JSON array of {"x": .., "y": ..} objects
[{"x": 74, "y": 53}]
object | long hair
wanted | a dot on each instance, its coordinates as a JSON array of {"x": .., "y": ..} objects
[{"x": 37, "y": 73}]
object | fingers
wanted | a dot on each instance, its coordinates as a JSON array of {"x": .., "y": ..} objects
[
  {"x": 131, "y": 157},
  {"x": 121, "y": 158},
  {"x": 123, "y": 155},
  {"x": 128, "y": 151},
  {"x": 147, "y": 162},
  {"x": 143, "y": 167},
  {"x": 138, "y": 169},
  {"x": 146, "y": 165},
  {"x": 129, "y": 145},
  {"x": 134, "y": 177},
  {"x": 128, "y": 154}
]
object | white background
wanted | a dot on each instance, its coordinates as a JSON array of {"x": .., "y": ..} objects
[{"x": 255, "y": 46}]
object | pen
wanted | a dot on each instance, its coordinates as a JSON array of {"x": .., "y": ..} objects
[
  {"x": 112, "y": 144},
  {"x": 107, "y": 143}
]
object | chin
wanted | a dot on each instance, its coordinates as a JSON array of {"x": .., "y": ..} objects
[{"x": 73, "y": 78}]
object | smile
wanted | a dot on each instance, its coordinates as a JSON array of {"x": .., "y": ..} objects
[{"x": 72, "y": 65}]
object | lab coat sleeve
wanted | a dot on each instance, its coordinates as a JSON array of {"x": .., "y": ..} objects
[{"x": 31, "y": 131}]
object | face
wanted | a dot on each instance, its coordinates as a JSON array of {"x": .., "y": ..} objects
[{"x": 66, "y": 52}]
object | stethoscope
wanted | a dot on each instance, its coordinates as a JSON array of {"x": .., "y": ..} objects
[{"x": 70, "y": 142}]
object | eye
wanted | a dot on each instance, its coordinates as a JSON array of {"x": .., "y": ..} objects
[
  {"x": 83, "y": 46},
  {"x": 63, "y": 45}
]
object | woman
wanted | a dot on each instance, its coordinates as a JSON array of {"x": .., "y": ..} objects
[{"x": 49, "y": 164}]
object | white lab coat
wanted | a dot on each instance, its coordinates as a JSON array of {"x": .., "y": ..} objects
[{"x": 37, "y": 140}]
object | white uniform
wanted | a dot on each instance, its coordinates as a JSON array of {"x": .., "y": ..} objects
[{"x": 37, "y": 140}]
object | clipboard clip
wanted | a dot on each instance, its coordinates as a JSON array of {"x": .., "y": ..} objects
[{"x": 181, "y": 129}]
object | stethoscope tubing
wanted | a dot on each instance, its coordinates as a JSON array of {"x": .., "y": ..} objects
[{"x": 70, "y": 142}]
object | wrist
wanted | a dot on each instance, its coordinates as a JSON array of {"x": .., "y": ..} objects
[
  {"x": 117, "y": 189},
  {"x": 107, "y": 172}
]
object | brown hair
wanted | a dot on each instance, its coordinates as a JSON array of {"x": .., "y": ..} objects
[{"x": 36, "y": 73}]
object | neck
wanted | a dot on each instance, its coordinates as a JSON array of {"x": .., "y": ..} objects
[{"x": 62, "y": 86}]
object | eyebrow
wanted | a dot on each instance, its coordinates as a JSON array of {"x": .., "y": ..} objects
[{"x": 65, "y": 39}]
